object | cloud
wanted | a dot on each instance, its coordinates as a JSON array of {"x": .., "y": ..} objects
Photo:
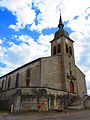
[
  {"x": 88, "y": 91},
  {"x": 0, "y": 41},
  {"x": 48, "y": 16},
  {"x": 49, "y": 13},
  {"x": 17, "y": 26},
  {"x": 88, "y": 77},
  {"x": 26, "y": 51},
  {"x": 22, "y": 10},
  {"x": 2, "y": 50},
  {"x": 78, "y": 45}
]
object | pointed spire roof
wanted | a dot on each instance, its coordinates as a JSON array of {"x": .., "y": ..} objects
[{"x": 61, "y": 25}]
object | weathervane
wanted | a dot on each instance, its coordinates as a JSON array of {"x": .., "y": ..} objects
[
  {"x": 60, "y": 10},
  {"x": 60, "y": 7},
  {"x": 61, "y": 25}
]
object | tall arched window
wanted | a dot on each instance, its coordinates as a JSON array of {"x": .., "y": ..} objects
[
  {"x": 17, "y": 80},
  {"x": 70, "y": 50},
  {"x": 28, "y": 73},
  {"x": 9, "y": 81},
  {"x": 66, "y": 48},
  {"x": 27, "y": 77},
  {"x": 54, "y": 50},
  {"x": 59, "y": 48},
  {"x": 2, "y": 84}
]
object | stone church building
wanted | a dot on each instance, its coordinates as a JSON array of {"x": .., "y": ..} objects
[{"x": 46, "y": 83}]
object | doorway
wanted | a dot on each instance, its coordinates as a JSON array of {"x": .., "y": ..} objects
[{"x": 71, "y": 87}]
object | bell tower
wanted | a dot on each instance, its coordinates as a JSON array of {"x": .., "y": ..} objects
[{"x": 62, "y": 46}]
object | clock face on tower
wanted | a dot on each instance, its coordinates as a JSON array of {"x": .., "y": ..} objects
[
  {"x": 58, "y": 40},
  {"x": 66, "y": 41}
]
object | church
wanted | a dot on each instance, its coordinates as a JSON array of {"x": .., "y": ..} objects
[{"x": 47, "y": 83}]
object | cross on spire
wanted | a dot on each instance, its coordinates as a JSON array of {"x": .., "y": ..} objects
[{"x": 61, "y": 25}]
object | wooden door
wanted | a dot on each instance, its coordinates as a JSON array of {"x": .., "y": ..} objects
[{"x": 71, "y": 87}]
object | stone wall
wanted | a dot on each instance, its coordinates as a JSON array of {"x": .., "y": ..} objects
[
  {"x": 81, "y": 83},
  {"x": 67, "y": 61},
  {"x": 87, "y": 102},
  {"x": 51, "y": 72},
  {"x": 34, "y": 76},
  {"x": 0, "y": 85},
  {"x": 69, "y": 64}
]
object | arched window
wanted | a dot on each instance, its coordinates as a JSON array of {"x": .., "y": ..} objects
[
  {"x": 27, "y": 77},
  {"x": 2, "y": 84},
  {"x": 54, "y": 50},
  {"x": 59, "y": 48},
  {"x": 70, "y": 50},
  {"x": 17, "y": 80},
  {"x": 71, "y": 87},
  {"x": 66, "y": 48},
  {"x": 28, "y": 73},
  {"x": 27, "y": 82},
  {"x": 9, "y": 81}
]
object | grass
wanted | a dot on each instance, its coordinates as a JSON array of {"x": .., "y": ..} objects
[{"x": 4, "y": 112}]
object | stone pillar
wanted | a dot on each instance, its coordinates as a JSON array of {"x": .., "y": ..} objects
[
  {"x": 17, "y": 104},
  {"x": 55, "y": 104}
]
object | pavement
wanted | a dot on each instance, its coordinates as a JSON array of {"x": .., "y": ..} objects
[{"x": 70, "y": 115}]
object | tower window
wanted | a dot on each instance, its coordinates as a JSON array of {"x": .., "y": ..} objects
[
  {"x": 17, "y": 80},
  {"x": 66, "y": 48},
  {"x": 70, "y": 72},
  {"x": 9, "y": 81},
  {"x": 70, "y": 50},
  {"x": 54, "y": 50},
  {"x": 59, "y": 48}
]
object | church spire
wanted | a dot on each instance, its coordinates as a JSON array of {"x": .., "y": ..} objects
[{"x": 61, "y": 25}]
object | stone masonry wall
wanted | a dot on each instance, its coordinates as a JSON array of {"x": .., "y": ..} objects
[
  {"x": 34, "y": 76},
  {"x": 51, "y": 72},
  {"x": 81, "y": 83}
]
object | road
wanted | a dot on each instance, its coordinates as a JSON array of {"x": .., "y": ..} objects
[{"x": 76, "y": 115}]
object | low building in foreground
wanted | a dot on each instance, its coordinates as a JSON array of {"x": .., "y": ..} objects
[{"x": 46, "y": 83}]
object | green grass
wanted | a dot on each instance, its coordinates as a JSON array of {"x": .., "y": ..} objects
[{"x": 4, "y": 112}]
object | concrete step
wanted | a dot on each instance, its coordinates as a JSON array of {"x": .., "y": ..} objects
[
  {"x": 78, "y": 103},
  {"x": 79, "y": 107}
]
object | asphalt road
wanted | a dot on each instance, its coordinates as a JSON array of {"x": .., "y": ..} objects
[{"x": 76, "y": 115}]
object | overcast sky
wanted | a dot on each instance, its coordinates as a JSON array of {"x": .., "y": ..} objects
[{"x": 27, "y": 26}]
